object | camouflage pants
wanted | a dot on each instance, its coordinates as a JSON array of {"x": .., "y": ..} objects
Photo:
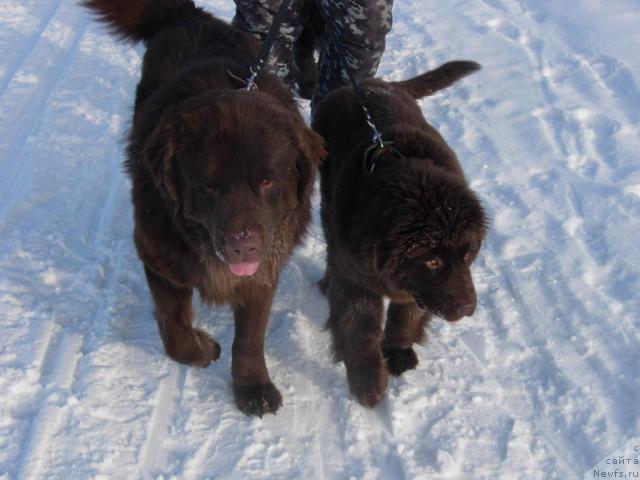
[{"x": 360, "y": 27}]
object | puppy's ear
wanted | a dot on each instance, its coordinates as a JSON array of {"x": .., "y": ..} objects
[
  {"x": 158, "y": 155},
  {"x": 311, "y": 150}
]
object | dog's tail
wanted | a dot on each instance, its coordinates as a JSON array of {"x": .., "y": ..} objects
[
  {"x": 442, "y": 77},
  {"x": 137, "y": 20}
]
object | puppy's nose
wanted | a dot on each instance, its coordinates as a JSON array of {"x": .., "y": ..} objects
[
  {"x": 465, "y": 306},
  {"x": 242, "y": 246}
]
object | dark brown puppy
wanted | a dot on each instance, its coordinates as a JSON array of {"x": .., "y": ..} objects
[
  {"x": 221, "y": 182},
  {"x": 408, "y": 230}
]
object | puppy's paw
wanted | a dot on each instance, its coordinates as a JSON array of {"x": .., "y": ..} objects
[
  {"x": 257, "y": 399},
  {"x": 196, "y": 350},
  {"x": 368, "y": 381},
  {"x": 400, "y": 360}
]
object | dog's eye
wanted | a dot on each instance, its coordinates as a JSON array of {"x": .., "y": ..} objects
[
  {"x": 468, "y": 257},
  {"x": 434, "y": 263},
  {"x": 266, "y": 183}
]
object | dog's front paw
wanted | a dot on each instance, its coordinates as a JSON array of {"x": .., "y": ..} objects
[
  {"x": 197, "y": 349},
  {"x": 368, "y": 381},
  {"x": 209, "y": 349},
  {"x": 257, "y": 399},
  {"x": 399, "y": 360}
]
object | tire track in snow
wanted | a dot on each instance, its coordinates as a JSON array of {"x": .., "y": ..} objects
[
  {"x": 393, "y": 465},
  {"x": 44, "y": 345},
  {"x": 29, "y": 118},
  {"x": 57, "y": 382},
  {"x": 302, "y": 421},
  {"x": 47, "y": 350},
  {"x": 58, "y": 375},
  {"x": 61, "y": 349},
  {"x": 64, "y": 354},
  {"x": 68, "y": 351},
  {"x": 309, "y": 391},
  {"x": 107, "y": 212},
  {"x": 152, "y": 460},
  {"x": 28, "y": 46}
]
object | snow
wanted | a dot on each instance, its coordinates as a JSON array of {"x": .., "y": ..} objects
[{"x": 541, "y": 383}]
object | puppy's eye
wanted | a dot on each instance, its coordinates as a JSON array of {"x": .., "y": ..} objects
[
  {"x": 434, "y": 263},
  {"x": 468, "y": 257},
  {"x": 266, "y": 183}
]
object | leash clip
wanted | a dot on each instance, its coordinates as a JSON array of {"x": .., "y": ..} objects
[
  {"x": 251, "y": 80},
  {"x": 375, "y": 150},
  {"x": 267, "y": 44},
  {"x": 377, "y": 136}
]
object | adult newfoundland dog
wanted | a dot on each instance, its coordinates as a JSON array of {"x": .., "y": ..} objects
[
  {"x": 222, "y": 179},
  {"x": 400, "y": 223}
]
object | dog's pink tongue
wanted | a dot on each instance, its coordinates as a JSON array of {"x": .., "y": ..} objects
[{"x": 243, "y": 269}]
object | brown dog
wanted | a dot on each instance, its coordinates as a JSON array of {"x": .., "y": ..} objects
[
  {"x": 406, "y": 227},
  {"x": 222, "y": 180}
]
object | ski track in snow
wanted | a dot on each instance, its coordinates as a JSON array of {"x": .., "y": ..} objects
[{"x": 541, "y": 383}]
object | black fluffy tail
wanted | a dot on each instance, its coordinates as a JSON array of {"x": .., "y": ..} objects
[
  {"x": 442, "y": 77},
  {"x": 137, "y": 20}
]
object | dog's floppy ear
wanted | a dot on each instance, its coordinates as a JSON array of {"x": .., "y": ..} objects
[
  {"x": 310, "y": 146},
  {"x": 158, "y": 155}
]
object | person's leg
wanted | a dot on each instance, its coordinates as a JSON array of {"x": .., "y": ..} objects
[
  {"x": 305, "y": 65},
  {"x": 256, "y": 17},
  {"x": 360, "y": 27}
]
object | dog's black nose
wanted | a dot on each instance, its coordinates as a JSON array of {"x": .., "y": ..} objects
[
  {"x": 465, "y": 306},
  {"x": 242, "y": 246}
]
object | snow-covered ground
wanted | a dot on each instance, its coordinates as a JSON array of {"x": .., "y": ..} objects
[{"x": 543, "y": 382}]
